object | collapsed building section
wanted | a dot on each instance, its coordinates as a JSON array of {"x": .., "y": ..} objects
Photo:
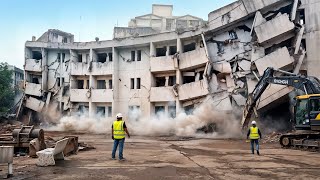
[{"x": 219, "y": 62}]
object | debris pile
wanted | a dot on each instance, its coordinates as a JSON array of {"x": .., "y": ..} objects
[{"x": 271, "y": 138}]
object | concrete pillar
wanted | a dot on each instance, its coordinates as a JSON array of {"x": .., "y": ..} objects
[
  {"x": 61, "y": 87},
  {"x": 44, "y": 70},
  {"x": 152, "y": 50},
  {"x": 168, "y": 50},
  {"x": 179, "y": 46},
  {"x": 115, "y": 81},
  {"x": 167, "y": 81}
]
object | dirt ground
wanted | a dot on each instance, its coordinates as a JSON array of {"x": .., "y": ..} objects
[{"x": 174, "y": 158}]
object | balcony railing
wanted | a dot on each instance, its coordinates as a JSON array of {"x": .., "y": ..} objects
[
  {"x": 193, "y": 59},
  {"x": 33, "y": 89},
  {"x": 161, "y": 64},
  {"x": 33, "y": 65},
  {"x": 162, "y": 94}
]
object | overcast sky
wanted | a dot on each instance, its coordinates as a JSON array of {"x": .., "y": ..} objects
[{"x": 86, "y": 19}]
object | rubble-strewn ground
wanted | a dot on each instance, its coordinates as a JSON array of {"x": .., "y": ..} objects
[{"x": 169, "y": 158}]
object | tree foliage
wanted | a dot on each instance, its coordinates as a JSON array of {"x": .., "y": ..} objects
[{"x": 6, "y": 88}]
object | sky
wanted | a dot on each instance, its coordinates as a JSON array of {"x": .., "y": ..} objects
[{"x": 86, "y": 19}]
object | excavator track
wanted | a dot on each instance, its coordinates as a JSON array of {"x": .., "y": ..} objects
[{"x": 306, "y": 141}]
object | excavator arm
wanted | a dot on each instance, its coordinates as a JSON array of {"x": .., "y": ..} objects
[{"x": 309, "y": 85}]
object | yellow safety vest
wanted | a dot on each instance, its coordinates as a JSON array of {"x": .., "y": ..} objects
[
  {"x": 254, "y": 133},
  {"x": 118, "y": 131}
]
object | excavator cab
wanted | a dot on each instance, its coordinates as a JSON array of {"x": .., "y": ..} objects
[{"x": 307, "y": 112}]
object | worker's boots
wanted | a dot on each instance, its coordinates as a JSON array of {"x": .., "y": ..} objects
[{"x": 258, "y": 153}]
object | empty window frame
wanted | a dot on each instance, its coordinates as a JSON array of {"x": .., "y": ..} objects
[
  {"x": 133, "y": 55},
  {"x": 36, "y": 55},
  {"x": 189, "y": 47},
  {"x": 101, "y": 110},
  {"x": 79, "y": 57},
  {"x": 63, "y": 57},
  {"x": 131, "y": 83},
  {"x": 101, "y": 84},
  {"x": 159, "y": 109},
  {"x": 172, "y": 111},
  {"x": 110, "y": 57},
  {"x": 60, "y": 83},
  {"x": 65, "y": 40},
  {"x": 110, "y": 84},
  {"x": 172, "y": 80},
  {"x": 139, "y": 55},
  {"x": 160, "y": 81},
  {"x": 161, "y": 51},
  {"x": 80, "y": 84},
  {"x": 102, "y": 57},
  {"x": 172, "y": 50},
  {"x": 138, "y": 83},
  {"x": 109, "y": 111}
]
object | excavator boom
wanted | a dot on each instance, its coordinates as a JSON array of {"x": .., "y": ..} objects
[{"x": 309, "y": 85}]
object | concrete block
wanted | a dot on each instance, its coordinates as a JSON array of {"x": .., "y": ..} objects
[
  {"x": 273, "y": 95},
  {"x": 257, "y": 53},
  {"x": 33, "y": 89},
  {"x": 223, "y": 67},
  {"x": 251, "y": 84},
  {"x": 239, "y": 99},
  {"x": 279, "y": 59},
  {"x": 34, "y": 104},
  {"x": 245, "y": 65},
  {"x": 221, "y": 101},
  {"x": 274, "y": 28}
]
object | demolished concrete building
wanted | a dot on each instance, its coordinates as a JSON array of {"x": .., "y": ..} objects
[{"x": 173, "y": 71}]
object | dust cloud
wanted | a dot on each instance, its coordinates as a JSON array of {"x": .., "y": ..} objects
[{"x": 226, "y": 125}]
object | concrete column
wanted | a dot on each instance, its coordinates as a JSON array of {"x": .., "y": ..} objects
[
  {"x": 61, "y": 74},
  {"x": 179, "y": 46},
  {"x": 167, "y": 81},
  {"x": 168, "y": 50},
  {"x": 91, "y": 87},
  {"x": 152, "y": 50},
  {"x": 115, "y": 81},
  {"x": 44, "y": 70}
]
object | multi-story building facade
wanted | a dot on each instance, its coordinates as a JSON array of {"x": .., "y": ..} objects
[{"x": 219, "y": 62}]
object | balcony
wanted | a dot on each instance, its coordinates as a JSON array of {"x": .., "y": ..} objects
[
  {"x": 79, "y": 95},
  {"x": 33, "y": 89},
  {"x": 193, "y": 59},
  {"x": 102, "y": 68},
  {"x": 193, "y": 90},
  {"x": 162, "y": 94},
  {"x": 79, "y": 68},
  {"x": 102, "y": 95},
  {"x": 161, "y": 64},
  {"x": 33, "y": 65}
]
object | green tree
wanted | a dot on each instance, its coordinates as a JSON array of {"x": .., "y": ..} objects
[{"x": 6, "y": 88}]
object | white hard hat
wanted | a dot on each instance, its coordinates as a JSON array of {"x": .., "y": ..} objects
[
  {"x": 253, "y": 122},
  {"x": 119, "y": 115}
]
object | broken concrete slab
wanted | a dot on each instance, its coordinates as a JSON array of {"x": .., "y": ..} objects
[
  {"x": 251, "y": 84},
  {"x": 299, "y": 63},
  {"x": 257, "y": 53},
  {"x": 274, "y": 28},
  {"x": 34, "y": 104},
  {"x": 221, "y": 101},
  {"x": 239, "y": 99},
  {"x": 297, "y": 43},
  {"x": 222, "y": 67},
  {"x": 258, "y": 20},
  {"x": 33, "y": 89},
  {"x": 273, "y": 95},
  {"x": 278, "y": 59},
  {"x": 245, "y": 65}
]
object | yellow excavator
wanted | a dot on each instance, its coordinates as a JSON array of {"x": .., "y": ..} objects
[{"x": 306, "y": 107}]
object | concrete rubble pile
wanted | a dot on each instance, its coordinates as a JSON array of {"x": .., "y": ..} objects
[{"x": 240, "y": 55}]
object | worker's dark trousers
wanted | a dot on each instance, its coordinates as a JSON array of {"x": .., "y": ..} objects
[
  {"x": 254, "y": 141},
  {"x": 117, "y": 142}
]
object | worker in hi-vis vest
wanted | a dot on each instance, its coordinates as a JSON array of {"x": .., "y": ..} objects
[
  {"x": 119, "y": 130},
  {"x": 254, "y": 134}
]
